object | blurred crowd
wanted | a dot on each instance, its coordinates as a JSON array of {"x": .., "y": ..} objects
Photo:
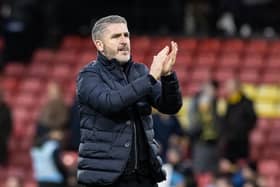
[
  {"x": 211, "y": 151},
  {"x": 27, "y": 24}
]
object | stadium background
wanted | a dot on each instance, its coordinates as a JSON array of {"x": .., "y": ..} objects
[{"x": 48, "y": 41}]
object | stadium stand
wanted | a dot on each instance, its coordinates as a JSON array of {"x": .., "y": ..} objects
[{"x": 255, "y": 61}]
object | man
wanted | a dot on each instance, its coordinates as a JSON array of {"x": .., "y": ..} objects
[
  {"x": 239, "y": 120},
  {"x": 115, "y": 97}
]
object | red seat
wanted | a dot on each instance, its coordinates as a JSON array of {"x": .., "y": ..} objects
[
  {"x": 140, "y": 43},
  {"x": 14, "y": 69},
  {"x": 264, "y": 125},
  {"x": 86, "y": 58},
  {"x": 275, "y": 47},
  {"x": 249, "y": 76},
  {"x": 158, "y": 43},
  {"x": 256, "y": 46},
  {"x": 252, "y": 62},
  {"x": 192, "y": 88},
  {"x": 271, "y": 76},
  {"x": 71, "y": 42},
  {"x": 210, "y": 45},
  {"x": 26, "y": 100},
  {"x": 200, "y": 74},
  {"x": 233, "y": 45},
  {"x": 273, "y": 62},
  {"x": 230, "y": 61},
  {"x": 42, "y": 56},
  {"x": 32, "y": 86},
  {"x": 10, "y": 84},
  {"x": 206, "y": 60},
  {"x": 61, "y": 72},
  {"x": 257, "y": 138},
  {"x": 65, "y": 57},
  {"x": 187, "y": 45},
  {"x": 268, "y": 167},
  {"x": 223, "y": 74},
  {"x": 87, "y": 44},
  {"x": 39, "y": 70},
  {"x": 184, "y": 60}
]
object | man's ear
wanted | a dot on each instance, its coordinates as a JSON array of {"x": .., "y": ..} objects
[{"x": 99, "y": 45}]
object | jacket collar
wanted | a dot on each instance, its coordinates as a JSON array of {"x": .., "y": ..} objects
[{"x": 110, "y": 64}]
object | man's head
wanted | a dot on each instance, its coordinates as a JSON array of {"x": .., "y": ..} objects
[
  {"x": 111, "y": 37},
  {"x": 232, "y": 86}
]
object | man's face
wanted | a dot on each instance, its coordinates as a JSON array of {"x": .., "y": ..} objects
[{"x": 116, "y": 42}]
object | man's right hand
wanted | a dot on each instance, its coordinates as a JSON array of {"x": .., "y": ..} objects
[{"x": 158, "y": 62}]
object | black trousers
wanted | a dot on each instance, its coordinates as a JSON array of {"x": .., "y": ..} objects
[{"x": 133, "y": 181}]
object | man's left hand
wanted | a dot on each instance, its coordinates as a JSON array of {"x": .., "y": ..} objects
[{"x": 170, "y": 60}]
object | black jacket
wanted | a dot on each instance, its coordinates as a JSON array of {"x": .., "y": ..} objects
[{"x": 107, "y": 100}]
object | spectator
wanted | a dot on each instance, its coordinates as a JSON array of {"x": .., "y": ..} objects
[
  {"x": 165, "y": 126},
  {"x": 174, "y": 177},
  {"x": 48, "y": 166},
  {"x": 54, "y": 114},
  {"x": 6, "y": 128},
  {"x": 14, "y": 181},
  {"x": 204, "y": 129},
  {"x": 239, "y": 120},
  {"x": 223, "y": 182}
]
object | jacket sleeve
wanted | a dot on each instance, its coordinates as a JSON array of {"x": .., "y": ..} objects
[
  {"x": 166, "y": 95},
  {"x": 92, "y": 91}
]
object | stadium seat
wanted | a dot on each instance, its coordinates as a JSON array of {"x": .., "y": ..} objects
[
  {"x": 42, "y": 56},
  {"x": 268, "y": 167},
  {"x": 87, "y": 44},
  {"x": 233, "y": 45},
  {"x": 268, "y": 93},
  {"x": 275, "y": 47},
  {"x": 14, "y": 69},
  {"x": 184, "y": 60},
  {"x": 249, "y": 76},
  {"x": 32, "y": 86},
  {"x": 60, "y": 72},
  {"x": 200, "y": 74},
  {"x": 231, "y": 61},
  {"x": 205, "y": 60},
  {"x": 252, "y": 62},
  {"x": 256, "y": 46},
  {"x": 187, "y": 45},
  {"x": 273, "y": 62},
  {"x": 223, "y": 74},
  {"x": 65, "y": 57},
  {"x": 10, "y": 84},
  {"x": 209, "y": 45},
  {"x": 71, "y": 42},
  {"x": 25, "y": 100},
  {"x": 39, "y": 70},
  {"x": 271, "y": 76},
  {"x": 264, "y": 109},
  {"x": 140, "y": 44}
]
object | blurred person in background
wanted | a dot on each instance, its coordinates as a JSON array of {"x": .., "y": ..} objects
[
  {"x": 204, "y": 129},
  {"x": 48, "y": 167},
  {"x": 6, "y": 128},
  {"x": 115, "y": 98},
  {"x": 237, "y": 123},
  {"x": 165, "y": 126},
  {"x": 222, "y": 181},
  {"x": 14, "y": 181},
  {"x": 55, "y": 113},
  {"x": 174, "y": 177}
]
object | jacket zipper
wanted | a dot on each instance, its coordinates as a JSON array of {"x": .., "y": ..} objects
[{"x": 134, "y": 132}]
